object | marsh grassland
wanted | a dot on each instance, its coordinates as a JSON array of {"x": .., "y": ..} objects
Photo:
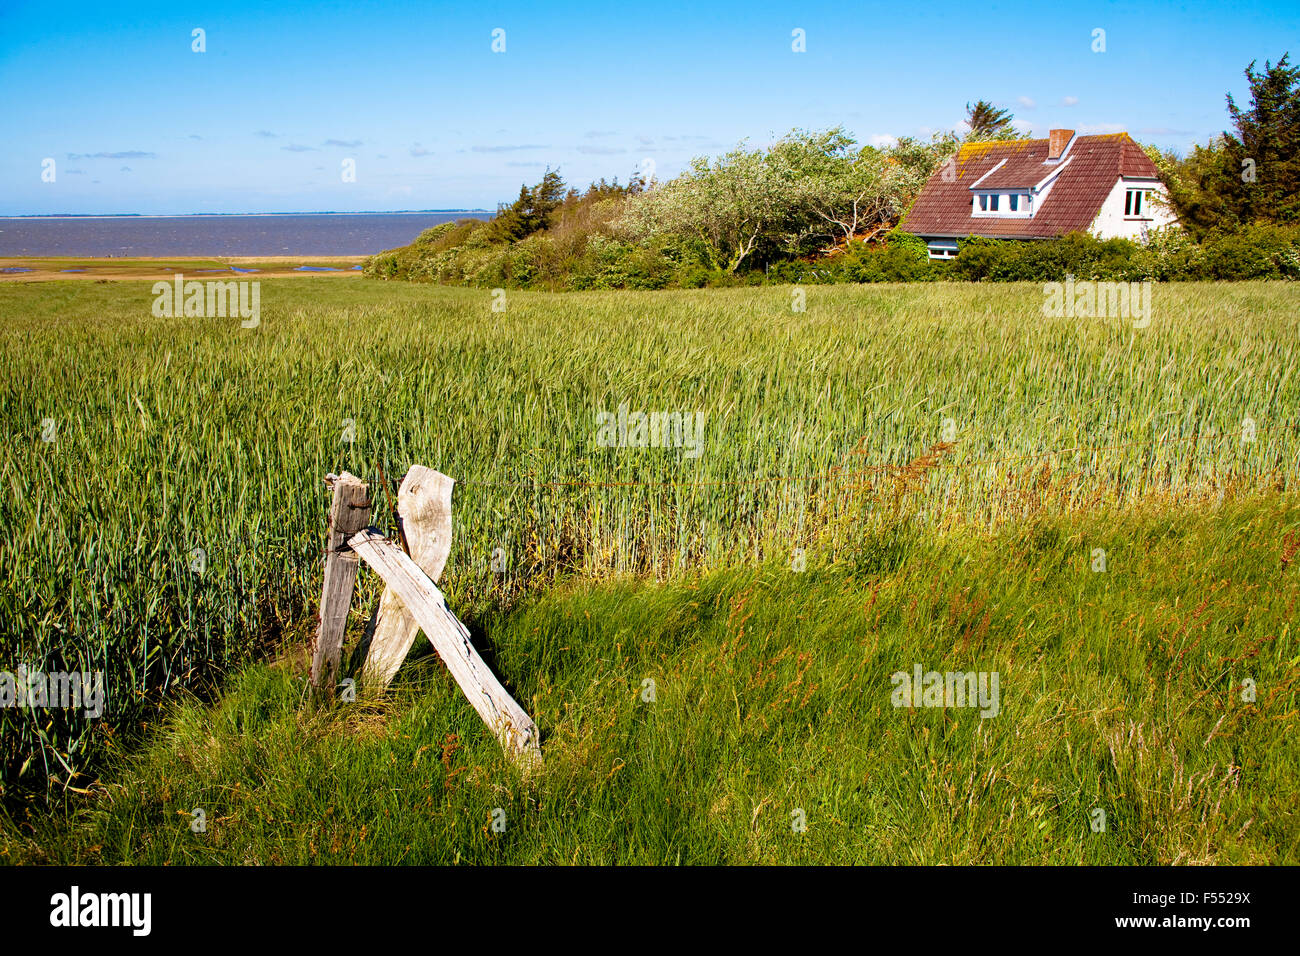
[{"x": 897, "y": 476}]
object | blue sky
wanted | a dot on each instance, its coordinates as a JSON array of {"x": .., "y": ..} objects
[{"x": 433, "y": 118}]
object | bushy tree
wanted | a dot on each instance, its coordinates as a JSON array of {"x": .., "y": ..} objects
[
  {"x": 809, "y": 191},
  {"x": 832, "y": 185},
  {"x": 987, "y": 122},
  {"x": 1251, "y": 175},
  {"x": 531, "y": 212},
  {"x": 732, "y": 204},
  {"x": 854, "y": 193}
]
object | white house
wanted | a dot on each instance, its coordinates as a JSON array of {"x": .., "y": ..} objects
[{"x": 1041, "y": 189}]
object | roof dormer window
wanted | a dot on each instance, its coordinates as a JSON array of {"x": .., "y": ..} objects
[{"x": 1004, "y": 204}]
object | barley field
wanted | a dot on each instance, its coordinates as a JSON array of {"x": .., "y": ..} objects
[{"x": 162, "y": 510}]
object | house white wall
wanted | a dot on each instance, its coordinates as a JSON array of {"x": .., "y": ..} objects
[{"x": 1111, "y": 223}]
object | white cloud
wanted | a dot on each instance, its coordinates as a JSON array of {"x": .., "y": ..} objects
[
  {"x": 1026, "y": 102},
  {"x": 1069, "y": 101},
  {"x": 1099, "y": 129},
  {"x": 882, "y": 140}
]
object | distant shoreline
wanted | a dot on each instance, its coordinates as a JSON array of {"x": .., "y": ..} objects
[{"x": 122, "y": 268}]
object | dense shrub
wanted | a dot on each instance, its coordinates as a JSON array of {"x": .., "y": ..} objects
[
  {"x": 1083, "y": 256},
  {"x": 904, "y": 258},
  {"x": 597, "y": 260},
  {"x": 1256, "y": 252},
  {"x": 412, "y": 261}
]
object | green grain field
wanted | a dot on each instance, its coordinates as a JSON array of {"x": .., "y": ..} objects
[{"x": 941, "y": 461}]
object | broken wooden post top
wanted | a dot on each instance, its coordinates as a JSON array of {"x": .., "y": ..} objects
[
  {"x": 349, "y": 513},
  {"x": 332, "y": 479},
  {"x": 424, "y": 507}
]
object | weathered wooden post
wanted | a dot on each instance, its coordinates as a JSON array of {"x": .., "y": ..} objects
[
  {"x": 426, "y": 605},
  {"x": 424, "y": 510},
  {"x": 349, "y": 513}
]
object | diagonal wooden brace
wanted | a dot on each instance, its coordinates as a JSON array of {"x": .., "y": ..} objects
[{"x": 512, "y": 726}]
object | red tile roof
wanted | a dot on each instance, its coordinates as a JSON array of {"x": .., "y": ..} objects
[{"x": 1088, "y": 172}]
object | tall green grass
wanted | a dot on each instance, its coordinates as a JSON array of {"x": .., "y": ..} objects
[
  {"x": 180, "y": 434},
  {"x": 1121, "y": 692}
]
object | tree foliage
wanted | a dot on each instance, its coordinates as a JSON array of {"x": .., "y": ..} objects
[
  {"x": 987, "y": 122},
  {"x": 531, "y": 212},
  {"x": 809, "y": 191},
  {"x": 1252, "y": 174}
]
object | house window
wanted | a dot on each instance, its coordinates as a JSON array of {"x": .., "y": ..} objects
[
  {"x": 942, "y": 249},
  {"x": 1017, "y": 204},
  {"x": 1133, "y": 202}
]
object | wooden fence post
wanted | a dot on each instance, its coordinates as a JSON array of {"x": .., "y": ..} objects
[
  {"x": 424, "y": 509},
  {"x": 349, "y": 513},
  {"x": 512, "y": 726}
]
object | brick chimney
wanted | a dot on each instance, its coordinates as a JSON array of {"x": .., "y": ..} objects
[{"x": 1057, "y": 140}]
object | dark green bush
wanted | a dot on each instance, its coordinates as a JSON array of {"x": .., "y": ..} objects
[
  {"x": 1255, "y": 252},
  {"x": 1039, "y": 260},
  {"x": 591, "y": 257}
]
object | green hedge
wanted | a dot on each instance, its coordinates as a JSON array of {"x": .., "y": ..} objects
[{"x": 460, "y": 254}]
